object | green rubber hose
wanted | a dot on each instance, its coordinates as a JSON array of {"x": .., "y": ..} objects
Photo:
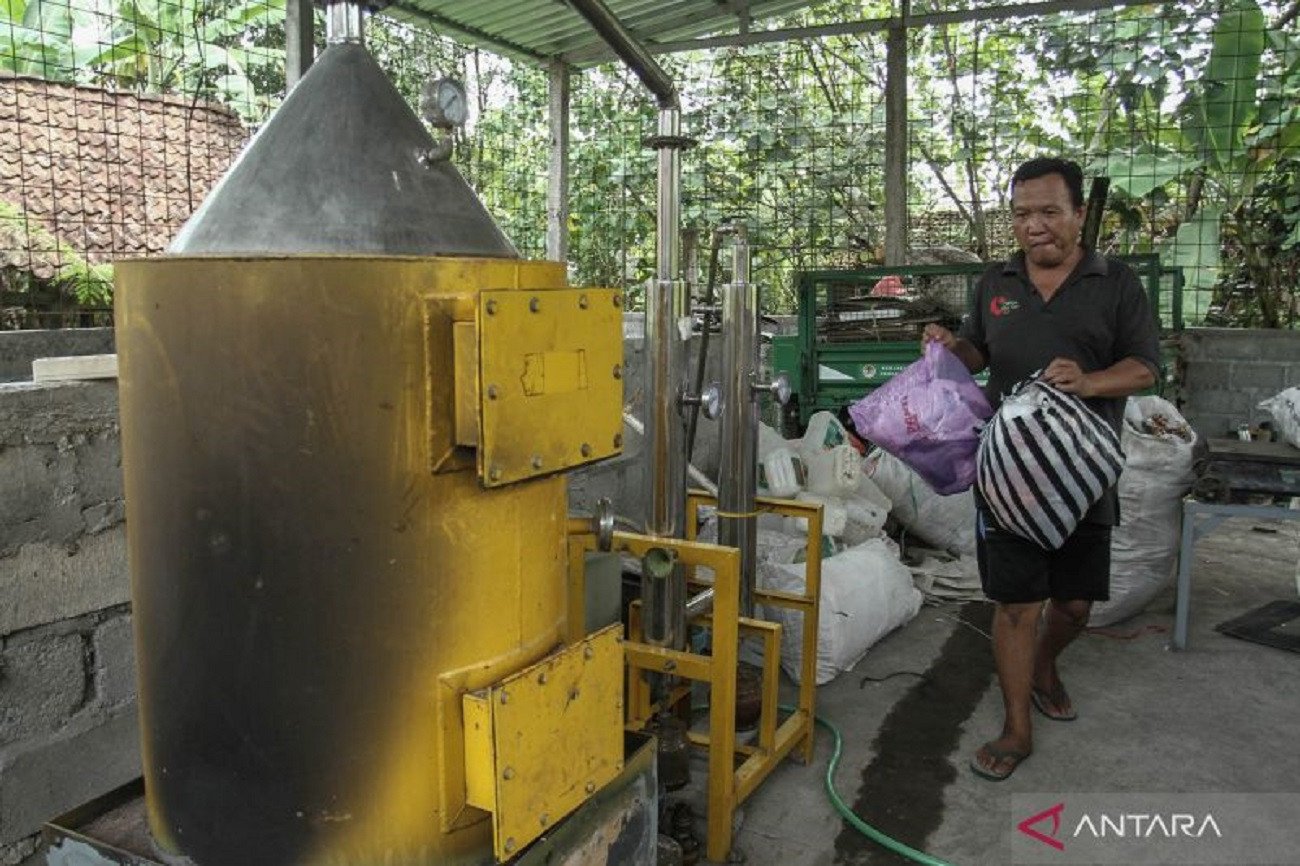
[
  {"x": 848, "y": 814},
  {"x": 857, "y": 823}
]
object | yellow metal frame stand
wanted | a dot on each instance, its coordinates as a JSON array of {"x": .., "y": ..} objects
[{"x": 735, "y": 771}]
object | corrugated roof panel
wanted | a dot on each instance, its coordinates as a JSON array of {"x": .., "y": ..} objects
[{"x": 543, "y": 29}]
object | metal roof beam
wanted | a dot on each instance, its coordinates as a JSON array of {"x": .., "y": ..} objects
[
  {"x": 523, "y": 31},
  {"x": 559, "y": 36},
  {"x": 474, "y": 35},
  {"x": 593, "y": 56},
  {"x": 678, "y": 21}
]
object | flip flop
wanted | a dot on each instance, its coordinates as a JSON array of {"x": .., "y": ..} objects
[
  {"x": 998, "y": 755},
  {"x": 1047, "y": 703}
]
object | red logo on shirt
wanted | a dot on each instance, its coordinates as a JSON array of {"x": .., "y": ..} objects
[{"x": 1001, "y": 305}]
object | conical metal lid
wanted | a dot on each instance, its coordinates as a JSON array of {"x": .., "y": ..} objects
[{"x": 340, "y": 168}]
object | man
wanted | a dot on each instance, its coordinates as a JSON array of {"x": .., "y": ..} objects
[{"x": 1084, "y": 321}]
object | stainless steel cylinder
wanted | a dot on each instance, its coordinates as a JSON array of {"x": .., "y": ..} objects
[
  {"x": 344, "y": 22},
  {"x": 665, "y": 384},
  {"x": 700, "y": 603},
  {"x": 657, "y": 570},
  {"x": 737, "y": 475},
  {"x": 691, "y": 265},
  {"x": 670, "y": 195},
  {"x": 666, "y": 307}
]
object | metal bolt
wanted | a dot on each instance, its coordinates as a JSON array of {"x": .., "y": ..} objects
[
  {"x": 491, "y": 308},
  {"x": 510, "y": 844},
  {"x": 545, "y": 819},
  {"x": 542, "y": 678},
  {"x": 537, "y": 461},
  {"x": 585, "y": 450},
  {"x": 618, "y": 371},
  {"x": 505, "y": 697},
  {"x": 582, "y": 302},
  {"x": 534, "y": 305},
  {"x": 588, "y": 653},
  {"x": 591, "y": 787},
  {"x": 494, "y": 474},
  {"x": 508, "y": 773},
  {"x": 492, "y": 392},
  {"x": 573, "y": 695},
  {"x": 618, "y": 300},
  {"x": 618, "y": 440}
]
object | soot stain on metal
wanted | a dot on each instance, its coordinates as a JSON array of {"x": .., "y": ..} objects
[
  {"x": 630, "y": 839},
  {"x": 902, "y": 788}
]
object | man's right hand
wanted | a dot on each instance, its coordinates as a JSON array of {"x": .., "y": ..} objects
[
  {"x": 965, "y": 352},
  {"x": 938, "y": 334}
]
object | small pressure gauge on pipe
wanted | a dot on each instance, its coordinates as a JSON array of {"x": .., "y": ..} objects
[
  {"x": 778, "y": 389},
  {"x": 709, "y": 400},
  {"x": 444, "y": 103}
]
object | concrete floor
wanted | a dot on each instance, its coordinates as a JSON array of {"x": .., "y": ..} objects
[{"x": 1221, "y": 717}]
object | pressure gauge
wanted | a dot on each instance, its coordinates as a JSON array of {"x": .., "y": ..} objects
[{"x": 444, "y": 103}]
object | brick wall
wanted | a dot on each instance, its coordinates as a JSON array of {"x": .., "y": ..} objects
[{"x": 110, "y": 174}]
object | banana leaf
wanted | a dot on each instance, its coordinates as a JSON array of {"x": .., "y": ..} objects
[{"x": 1224, "y": 105}]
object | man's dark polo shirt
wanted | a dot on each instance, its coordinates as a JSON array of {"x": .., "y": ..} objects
[{"x": 1098, "y": 317}]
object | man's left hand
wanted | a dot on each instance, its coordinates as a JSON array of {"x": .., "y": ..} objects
[{"x": 1069, "y": 377}]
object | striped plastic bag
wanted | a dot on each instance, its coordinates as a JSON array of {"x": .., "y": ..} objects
[{"x": 1043, "y": 461}]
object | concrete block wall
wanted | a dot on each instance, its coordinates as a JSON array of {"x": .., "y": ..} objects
[
  {"x": 1225, "y": 373},
  {"x": 68, "y": 729},
  {"x": 19, "y": 348}
]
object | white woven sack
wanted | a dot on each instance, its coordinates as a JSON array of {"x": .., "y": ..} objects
[
  {"x": 866, "y": 593},
  {"x": 1285, "y": 409},
  {"x": 1157, "y": 474},
  {"x": 944, "y": 522},
  {"x": 1044, "y": 460}
]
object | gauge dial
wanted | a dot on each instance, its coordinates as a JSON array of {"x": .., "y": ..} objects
[{"x": 444, "y": 103}]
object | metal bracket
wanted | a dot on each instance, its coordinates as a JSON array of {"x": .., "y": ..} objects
[{"x": 661, "y": 142}]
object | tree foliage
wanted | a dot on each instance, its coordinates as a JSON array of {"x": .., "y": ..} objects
[
  {"x": 1213, "y": 180},
  {"x": 210, "y": 49},
  {"x": 1191, "y": 107}
]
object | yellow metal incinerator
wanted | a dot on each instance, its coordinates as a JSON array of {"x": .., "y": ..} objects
[{"x": 347, "y": 411}]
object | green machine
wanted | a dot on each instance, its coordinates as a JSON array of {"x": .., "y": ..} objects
[{"x": 851, "y": 342}]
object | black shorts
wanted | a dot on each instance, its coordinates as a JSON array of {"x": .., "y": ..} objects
[{"x": 1014, "y": 570}]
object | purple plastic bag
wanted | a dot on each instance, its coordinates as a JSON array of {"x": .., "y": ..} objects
[{"x": 929, "y": 416}]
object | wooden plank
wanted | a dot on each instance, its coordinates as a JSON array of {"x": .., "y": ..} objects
[{"x": 74, "y": 367}]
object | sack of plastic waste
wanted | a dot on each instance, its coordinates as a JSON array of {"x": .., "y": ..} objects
[
  {"x": 1158, "y": 444},
  {"x": 1044, "y": 460},
  {"x": 1285, "y": 409},
  {"x": 865, "y": 594},
  {"x": 929, "y": 416},
  {"x": 942, "y": 522}
]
